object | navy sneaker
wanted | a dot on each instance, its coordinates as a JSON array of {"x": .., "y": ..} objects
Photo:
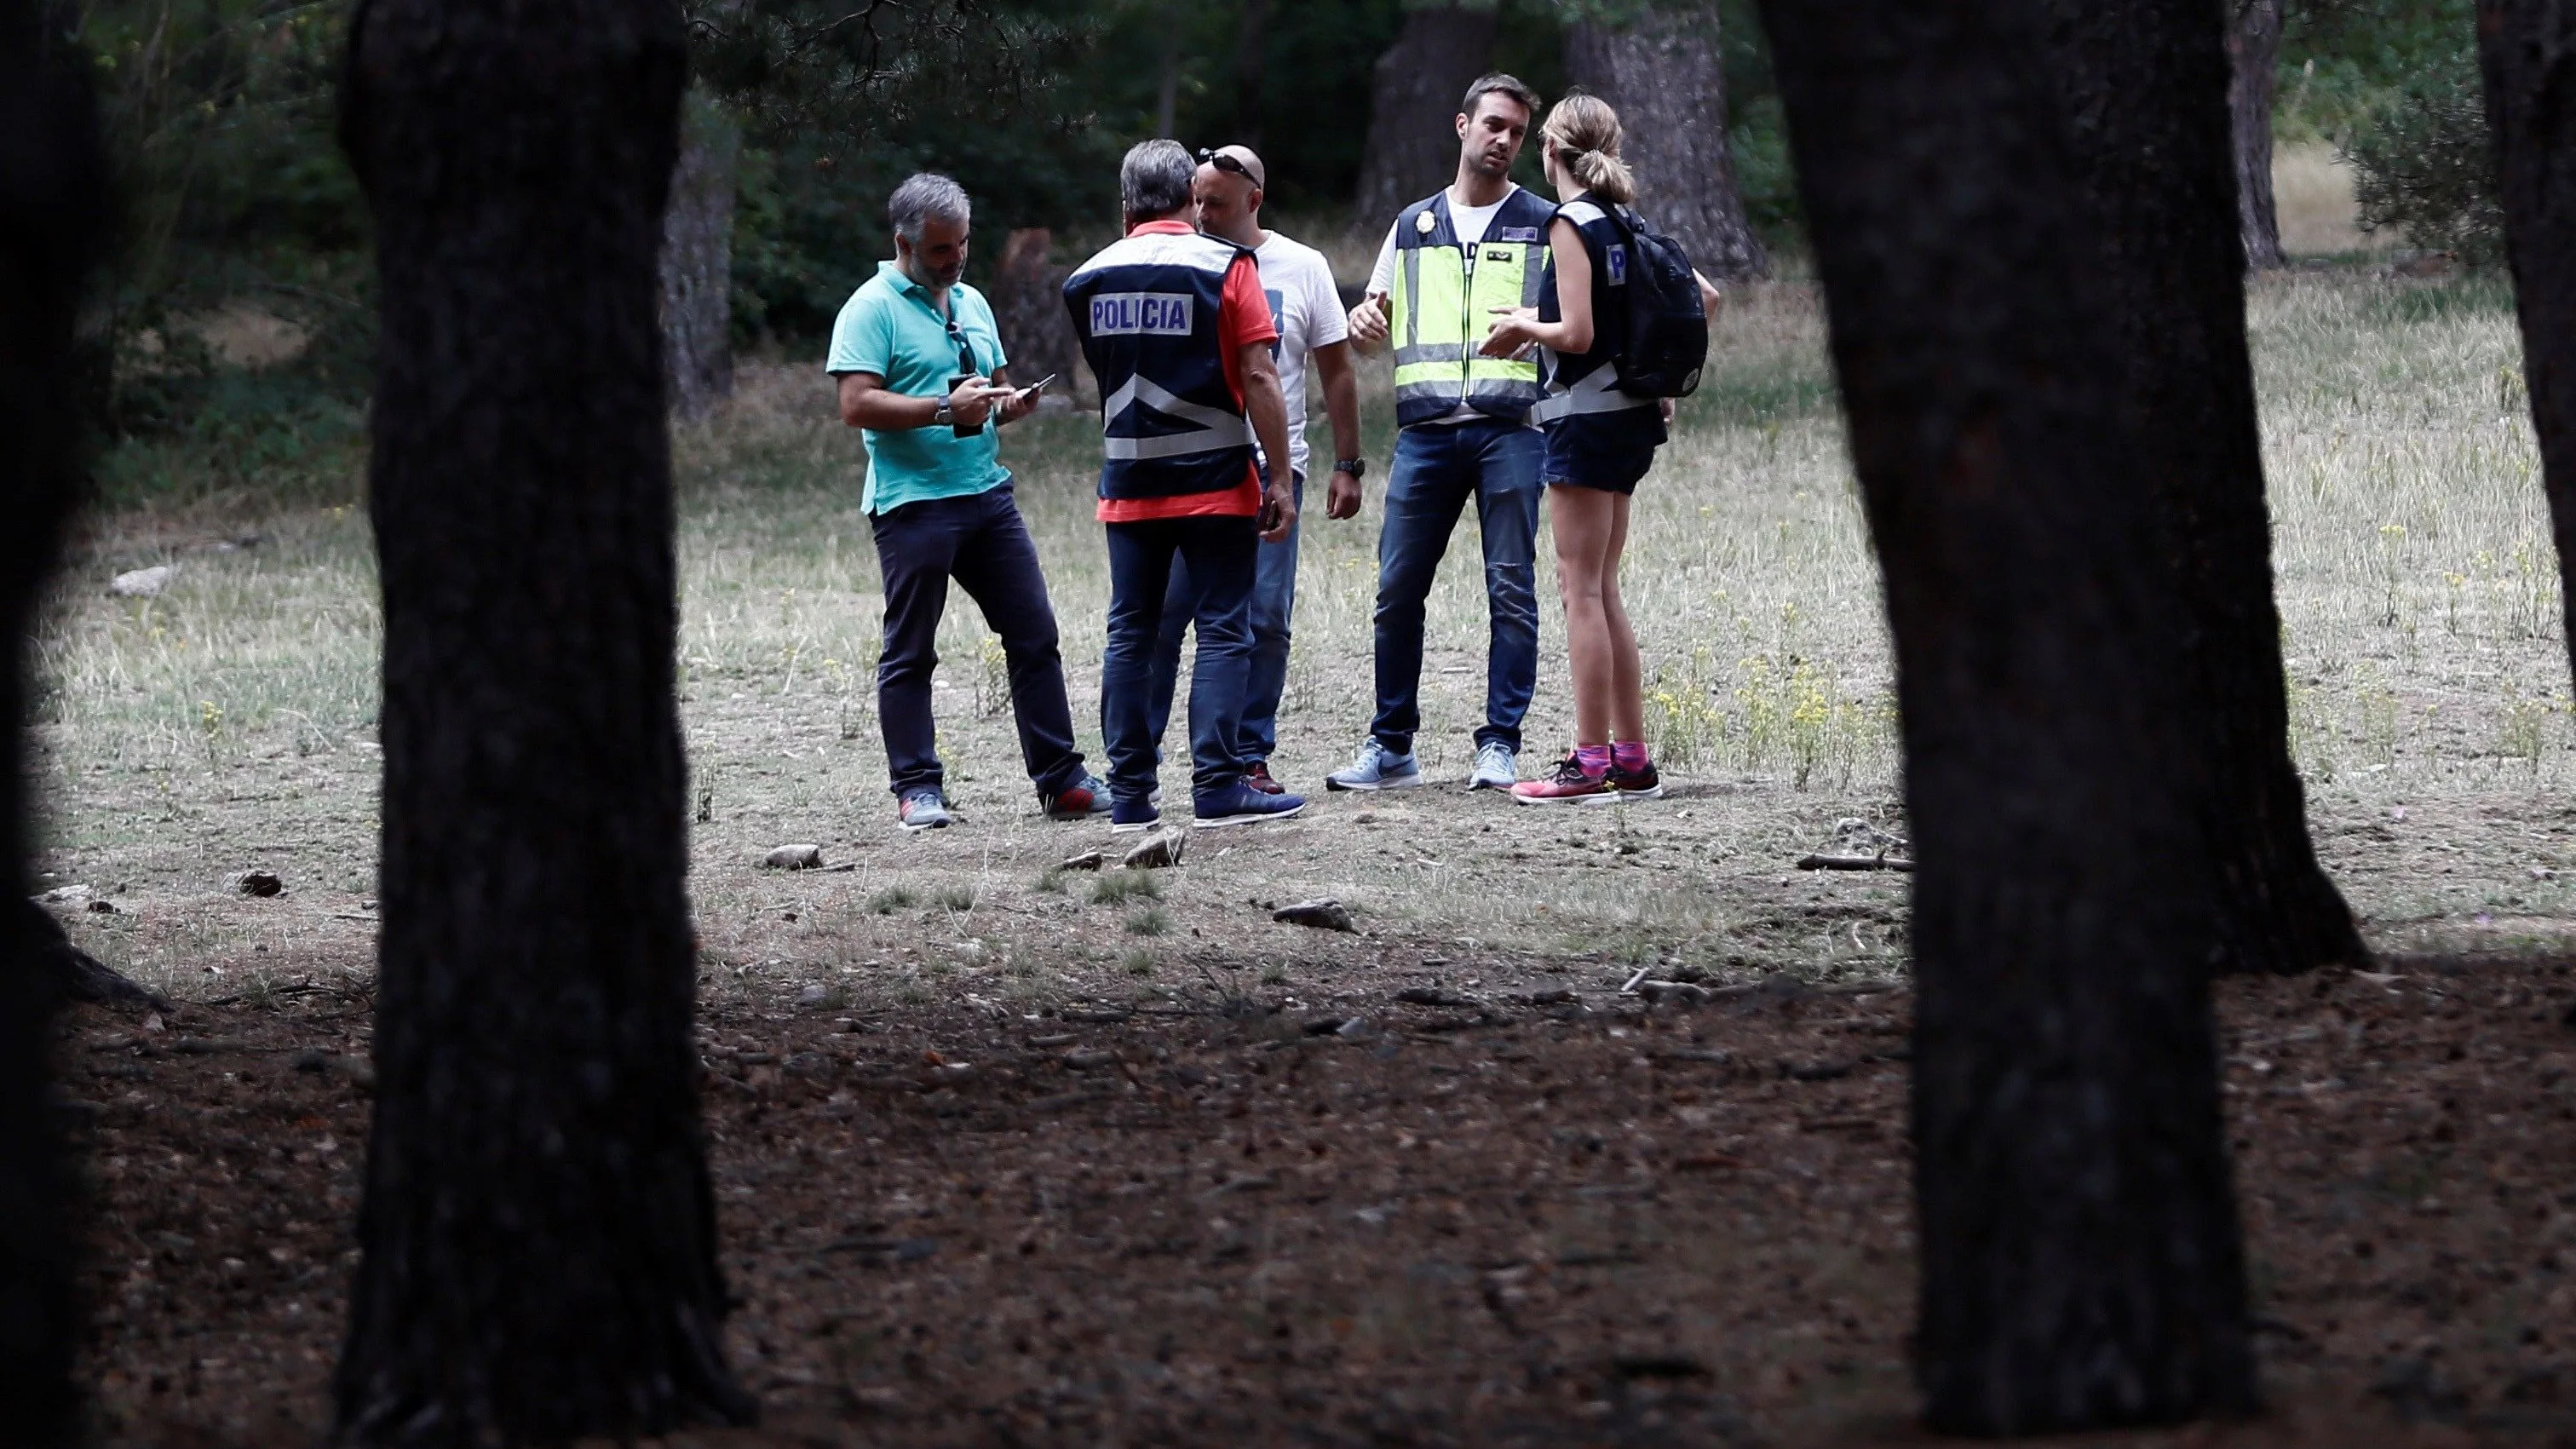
[
  {"x": 1239, "y": 803},
  {"x": 922, "y": 810},
  {"x": 1080, "y": 800},
  {"x": 1129, "y": 817}
]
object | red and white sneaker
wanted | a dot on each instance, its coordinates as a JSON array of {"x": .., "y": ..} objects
[
  {"x": 1567, "y": 784},
  {"x": 1258, "y": 777}
]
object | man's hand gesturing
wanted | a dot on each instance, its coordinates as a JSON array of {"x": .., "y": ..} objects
[{"x": 1368, "y": 321}]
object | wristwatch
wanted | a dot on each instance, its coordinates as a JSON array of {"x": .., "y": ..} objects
[
  {"x": 943, "y": 416},
  {"x": 1353, "y": 466}
]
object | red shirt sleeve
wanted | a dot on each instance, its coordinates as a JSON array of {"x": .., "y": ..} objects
[{"x": 1242, "y": 319}]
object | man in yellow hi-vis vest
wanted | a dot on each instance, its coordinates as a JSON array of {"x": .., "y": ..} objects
[{"x": 1449, "y": 263}]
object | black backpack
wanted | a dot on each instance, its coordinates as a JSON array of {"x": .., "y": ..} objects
[{"x": 1667, "y": 335}]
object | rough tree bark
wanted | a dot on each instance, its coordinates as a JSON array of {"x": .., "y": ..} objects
[
  {"x": 1413, "y": 101},
  {"x": 1664, "y": 75},
  {"x": 2527, "y": 51},
  {"x": 2082, "y": 1265},
  {"x": 52, "y": 224},
  {"x": 697, "y": 260},
  {"x": 2253, "y": 48},
  {"x": 1028, "y": 305},
  {"x": 2148, "y": 83},
  {"x": 538, "y": 1232}
]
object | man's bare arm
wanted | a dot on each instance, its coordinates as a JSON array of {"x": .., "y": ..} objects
[
  {"x": 1342, "y": 406},
  {"x": 1267, "y": 406},
  {"x": 866, "y": 403}
]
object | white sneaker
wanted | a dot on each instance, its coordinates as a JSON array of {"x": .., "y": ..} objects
[{"x": 1498, "y": 767}]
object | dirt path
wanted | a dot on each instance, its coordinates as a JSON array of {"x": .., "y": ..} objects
[{"x": 1488, "y": 1217}]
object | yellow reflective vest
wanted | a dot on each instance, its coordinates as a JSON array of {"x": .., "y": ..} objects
[{"x": 1442, "y": 306}]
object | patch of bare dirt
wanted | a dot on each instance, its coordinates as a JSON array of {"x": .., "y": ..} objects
[{"x": 1469, "y": 1219}]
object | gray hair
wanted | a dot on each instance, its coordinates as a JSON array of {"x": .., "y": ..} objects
[
  {"x": 922, "y": 196},
  {"x": 1155, "y": 178}
]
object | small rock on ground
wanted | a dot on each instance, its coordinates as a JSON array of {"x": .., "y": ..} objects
[
  {"x": 142, "y": 583},
  {"x": 794, "y": 857},
  {"x": 1158, "y": 850},
  {"x": 259, "y": 883},
  {"x": 1326, "y": 914}
]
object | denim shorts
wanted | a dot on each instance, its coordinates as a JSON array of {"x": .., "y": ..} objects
[{"x": 1607, "y": 451}]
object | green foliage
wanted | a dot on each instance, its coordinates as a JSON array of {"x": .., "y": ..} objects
[
  {"x": 2344, "y": 61},
  {"x": 231, "y": 190},
  {"x": 2425, "y": 165}
]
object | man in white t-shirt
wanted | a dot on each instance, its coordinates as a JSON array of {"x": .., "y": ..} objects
[
  {"x": 1307, "y": 308},
  {"x": 1451, "y": 262}
]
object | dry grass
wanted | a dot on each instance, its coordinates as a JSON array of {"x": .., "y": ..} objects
[
  {"x": 229, "y": 723},
  {"x": 2312, "y": 199}
]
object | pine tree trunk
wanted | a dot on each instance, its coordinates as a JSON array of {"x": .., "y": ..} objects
[
  {"x": 2082, "y": 1266},
  {"x": 1413, "y": 106},
  {"x": 1028, "y": 305},
  {"x": 538, "y": 1231},
  {"x": 2253, "y": 48},
  {"x": 2527, "y": 51},
  {"x": 1665, "y": 77},
  {"x": 53, "y": 192},
  {"x": 2148, "y": 82},
  {"x": 697, "y": 260}
]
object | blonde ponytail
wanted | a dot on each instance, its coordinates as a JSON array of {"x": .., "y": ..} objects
[{"x": 1586, "y": 132}]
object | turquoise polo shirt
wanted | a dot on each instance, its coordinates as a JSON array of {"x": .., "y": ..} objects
[{"x": 888, "y": 327}]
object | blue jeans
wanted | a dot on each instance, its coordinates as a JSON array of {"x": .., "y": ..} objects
[
  {"x": 1274, "y": 598},
  {"x": 980, "y": 541},
  {"x": 1436, "y": 470},
  {"x": 1221, "y": 554}
]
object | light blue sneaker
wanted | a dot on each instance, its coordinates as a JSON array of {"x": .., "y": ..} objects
[
  {"x": 921, "y": 810},
  {"x": 1377, "y": 768},
  {"x": 1498, "y": 767}
]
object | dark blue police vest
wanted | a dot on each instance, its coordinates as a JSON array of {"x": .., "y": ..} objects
[
  {"x": 1580, "y": 383},
  {"x": 1146, "y": 310}
]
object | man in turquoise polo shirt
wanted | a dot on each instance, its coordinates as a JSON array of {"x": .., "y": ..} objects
[{"x": 922, "y": 374}]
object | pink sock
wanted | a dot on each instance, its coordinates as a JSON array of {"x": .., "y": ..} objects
[
  {"x": 1595, "y": 759},
  {"x": 1628, "y": 754}
]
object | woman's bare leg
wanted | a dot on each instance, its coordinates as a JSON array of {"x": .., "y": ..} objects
[
  {"x": 1585, "y": 522},
  {"x": 1626, "y": 701}
]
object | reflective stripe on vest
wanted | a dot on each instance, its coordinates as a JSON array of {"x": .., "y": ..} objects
[
  {"x": 1441, "y": 309},
  {"x": 1217, "y": 431}
]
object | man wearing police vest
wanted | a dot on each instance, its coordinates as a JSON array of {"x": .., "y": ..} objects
[
  {"x": 1448, "y": 264},
  {"x": 1177, "y": 333}
]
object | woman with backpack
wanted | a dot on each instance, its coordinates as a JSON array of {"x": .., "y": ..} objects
[{"x": 1600, "y": 442}]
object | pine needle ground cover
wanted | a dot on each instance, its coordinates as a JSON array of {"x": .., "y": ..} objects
[{"x": 226, "y": 724}]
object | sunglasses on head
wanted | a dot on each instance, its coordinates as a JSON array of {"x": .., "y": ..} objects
[{"x": 1223, "y": 162}]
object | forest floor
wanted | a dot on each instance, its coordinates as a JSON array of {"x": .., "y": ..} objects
[
  {"x": 1489, "y": 1220},
  {"x": 1134, "y": 1200}
]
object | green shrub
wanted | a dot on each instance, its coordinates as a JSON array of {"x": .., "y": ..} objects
[{"x": 2425, "y": 165}]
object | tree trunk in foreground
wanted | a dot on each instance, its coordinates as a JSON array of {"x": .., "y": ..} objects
[
  {"x": 2081, "y": 1261},
  {"x": 1666, "y": 79},
  {"x": 1413, "y": 107},
  {"x": 2253, "y": 49},
  {"x": 538, "y": 1230},
  {"x": 53, "y": 207},
  {"x": 2527, "y": 51},
  {"x": 697, "y": 261},
  {"x": 2148, "y": 84}
]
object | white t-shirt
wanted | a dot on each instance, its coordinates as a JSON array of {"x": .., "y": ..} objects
[
  {"x": 1307, "y": 308},
  {"x": 1469, "y": 222}
]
